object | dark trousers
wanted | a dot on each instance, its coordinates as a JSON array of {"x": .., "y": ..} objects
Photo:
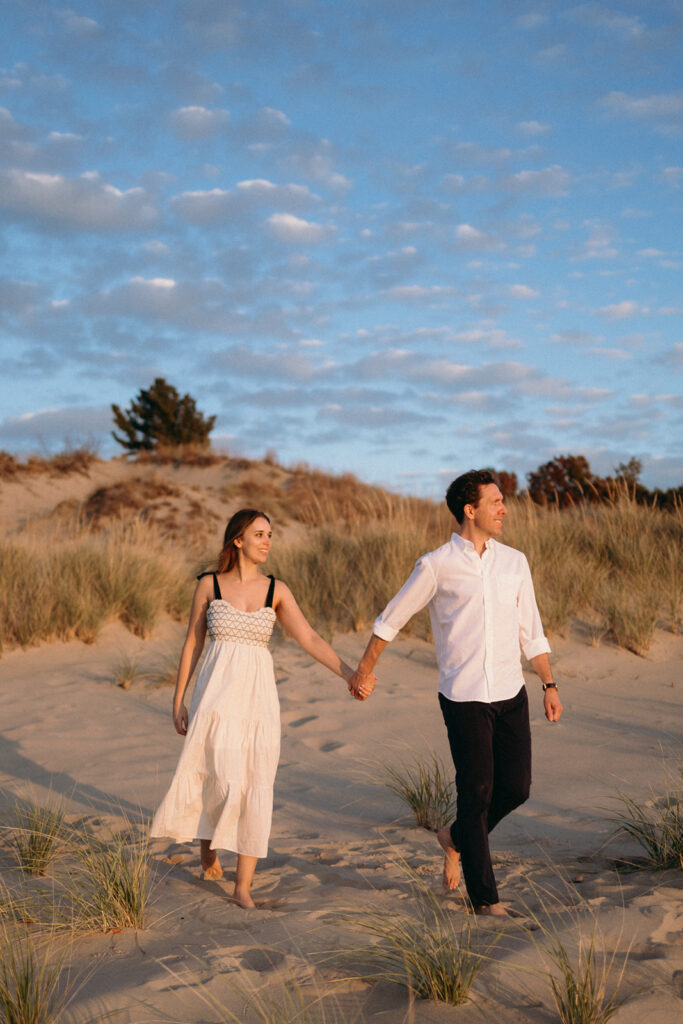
[{"x": 491, "y": 749}]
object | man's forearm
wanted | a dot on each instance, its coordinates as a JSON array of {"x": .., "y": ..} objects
[
  {"x": 372, "y": 652},
  {"x": 541, "y": 666}
]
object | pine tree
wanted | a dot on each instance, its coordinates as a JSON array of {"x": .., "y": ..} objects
[{"x": 160, "y": 418}]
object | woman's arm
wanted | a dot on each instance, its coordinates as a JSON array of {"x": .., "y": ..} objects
[
  {"x": 192, "y": 649},
  {"x": 296, "y": 624}
]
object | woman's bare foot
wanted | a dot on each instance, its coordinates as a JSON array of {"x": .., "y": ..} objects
[
  {"x": 211, "y": 869},
  {"x": 213, "y": 873},
  {"x": 451, "y": 861},
  {"x": 494, "y": 910}
]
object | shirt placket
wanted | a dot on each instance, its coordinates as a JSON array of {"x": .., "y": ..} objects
[{"x": 489, "y": 603}]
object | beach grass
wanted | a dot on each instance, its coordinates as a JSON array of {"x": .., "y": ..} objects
[
  {"x": 427, "y": 951},
  {"x": 110, "y": 885},
  {"x": 427, "y": 787},
  {"x": 70, "y": 587},
  {"x": 579, "y": 983},
  {"x": 587, "y": 972},
  {"x": 655, "y": 826},
  {"x": 34, "y": 986},
  {"x": 128, "y": 670},
  {"x": 617, "y": 564},
  {"x": 38, "y": 832}
]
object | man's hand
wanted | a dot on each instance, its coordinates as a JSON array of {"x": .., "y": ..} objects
[
  {"x": 361, "y": 685},
  {"x": 552, "y": 705}
]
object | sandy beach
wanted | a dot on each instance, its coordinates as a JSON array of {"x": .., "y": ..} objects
[{"x": 343, "y": 844}]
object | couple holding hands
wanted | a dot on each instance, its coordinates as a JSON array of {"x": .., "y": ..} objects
[{"x": 482, "y": 609}]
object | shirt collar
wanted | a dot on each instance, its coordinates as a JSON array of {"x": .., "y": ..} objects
[{"x": 467, "y": 547}]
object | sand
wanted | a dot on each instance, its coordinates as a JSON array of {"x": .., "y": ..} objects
[{"x": 342, "y": 842}]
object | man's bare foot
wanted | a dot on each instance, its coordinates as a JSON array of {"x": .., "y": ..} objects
[
  {"x": 494, "y": 910},
  {"x": 243, "y": 900},
  {"x": 451, "y": 860}
]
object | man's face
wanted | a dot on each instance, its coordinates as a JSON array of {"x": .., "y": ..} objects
[{"x": 488, "y": 514}]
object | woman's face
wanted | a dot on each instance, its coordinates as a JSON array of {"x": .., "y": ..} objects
[{"x": 256, "y": 540}]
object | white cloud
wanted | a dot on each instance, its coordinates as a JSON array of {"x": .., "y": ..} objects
[
  {"x": 265, "y": 191},
  {"x": 596, "y": 16},
  {"x": 620, "y": 310},
  {"x": 194, "y": 123},
  {"x": 85, "y": 203},
  {"x": 316, "y": 163},
  {"x": 154, "y": 282},
  {"x": 672, "y": 176},
  {"x": 663, "y": 111},
  {"x": 471, "y": 238},
  {"x": 418, "y": 293},
  {"x": 522, "y": 291},
  {"x": 215, "y": 205},
  {"x": 550, "y": 181},
  {"x": 288, "y": 228},
  {"x": 458, "y": 183},
  {"x": 52, "y": 428},
  {"x": 493, "y": 337},
  {"x": 533, "y": 128},
  {"x": 78, "y": 25}
]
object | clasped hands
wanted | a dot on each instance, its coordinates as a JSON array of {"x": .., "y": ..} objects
[{"x": 361, "y": 684}]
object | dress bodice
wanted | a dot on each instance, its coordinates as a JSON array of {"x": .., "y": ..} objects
[{"x": 223, "y": 622}]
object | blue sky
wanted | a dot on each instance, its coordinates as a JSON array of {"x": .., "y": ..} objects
[{"x": 394, "y": 238}]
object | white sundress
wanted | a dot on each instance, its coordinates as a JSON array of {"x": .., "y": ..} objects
[{"x": 222, "y": 789}]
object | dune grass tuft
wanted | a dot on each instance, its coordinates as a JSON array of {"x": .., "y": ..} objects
[
  {"x": 33, "y": 989},
  {"x": 69, "y": 588},
  {"x": 579, "y": 984},
  {"x": 128, "y": 670},
  {"x": 427, "y": 787},
  {"x": 427, "y": 953},
  {"x": 38, "y": 833},
  {"x": 657, "y": 827},
  {"x": 111, "y": 885},
  {"x": 585, "y": 969}
]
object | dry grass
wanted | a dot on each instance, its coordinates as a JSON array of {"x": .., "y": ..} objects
[
  {"x": 427, "y": 787},
  {"x": 71, "y": 460},
  {"x": 70, "y": 587},
  {"x": 34, "y": 986},
  {"x": 619, "y": 565},
  {"x": 110, "y": 886},
  {"x": 586, "y": 978},
  {"x": 37, "y": 833},
  {"x": 656, "y": 826},
  {"x": 426, "y": 951}
]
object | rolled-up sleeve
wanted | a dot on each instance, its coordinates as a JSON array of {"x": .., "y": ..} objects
[
  {"x": 531, "y": 637},
  {"x": 416, "y": 592}
]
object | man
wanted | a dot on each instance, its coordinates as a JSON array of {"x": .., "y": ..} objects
[{"x": 482, "y": 609}]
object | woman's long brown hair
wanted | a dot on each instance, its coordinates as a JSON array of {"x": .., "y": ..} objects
[{"x": 237, "y": 524}]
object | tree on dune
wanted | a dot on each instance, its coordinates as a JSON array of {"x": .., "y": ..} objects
[{"x": 159, "y": 418}]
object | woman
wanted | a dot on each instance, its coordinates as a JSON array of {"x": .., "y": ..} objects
[{"x": 222, "y": 791}]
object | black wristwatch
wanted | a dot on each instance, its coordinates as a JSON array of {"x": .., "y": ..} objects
[{"x": 549, "y": 686}]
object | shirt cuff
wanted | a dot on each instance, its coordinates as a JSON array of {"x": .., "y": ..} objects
[
  {"x": 384, "y": 631},
  {"x": 539, "y": 645}
]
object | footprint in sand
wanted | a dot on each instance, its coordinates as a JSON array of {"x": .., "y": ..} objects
[
  {"x": 303, "y": 721},
  {"x": 262, "y": 960}
]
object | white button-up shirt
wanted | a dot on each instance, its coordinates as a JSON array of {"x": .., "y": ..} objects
[{"x": 482, "y": 610}]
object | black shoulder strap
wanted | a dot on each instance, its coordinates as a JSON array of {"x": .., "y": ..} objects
[
  {"x": 271, "y": 588},
  {"x": 216, "y": 589}
]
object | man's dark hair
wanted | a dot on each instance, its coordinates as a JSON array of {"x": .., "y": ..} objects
[{"x": 465, "y": 491}]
